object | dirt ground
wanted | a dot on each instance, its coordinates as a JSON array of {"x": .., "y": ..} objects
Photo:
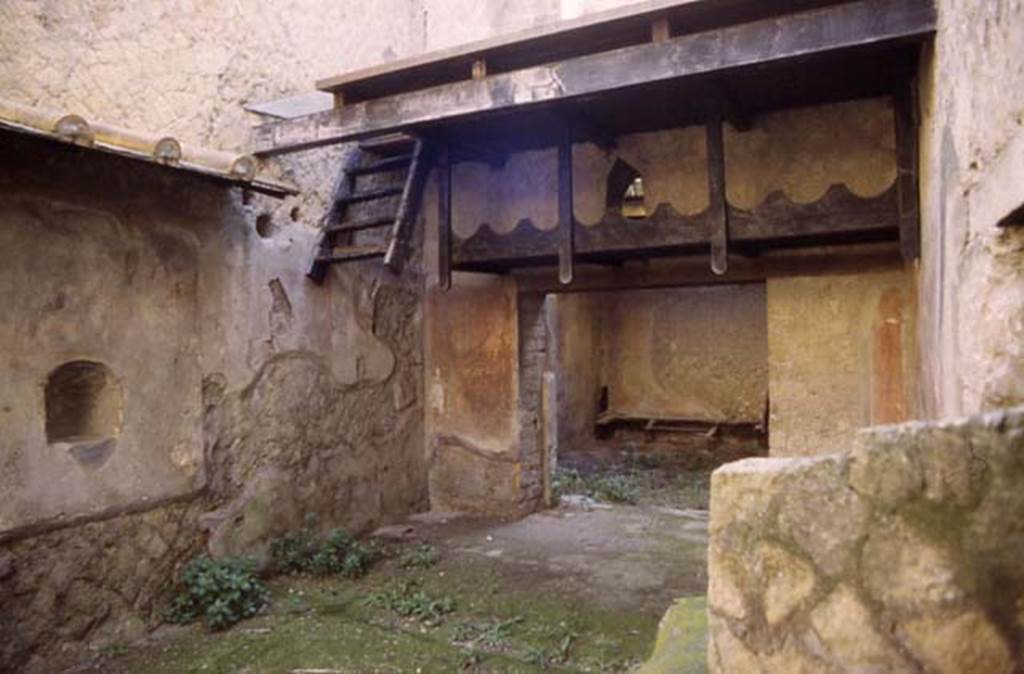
[{"x": 580, "y": 588}]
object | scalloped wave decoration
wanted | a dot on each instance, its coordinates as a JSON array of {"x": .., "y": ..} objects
[{"x": 778, "y": 221}]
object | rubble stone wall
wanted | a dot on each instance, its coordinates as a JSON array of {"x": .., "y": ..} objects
[{"x": 902, "y": 555}]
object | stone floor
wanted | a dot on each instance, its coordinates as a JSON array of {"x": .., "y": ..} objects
[
  {"x": 580, "y": 588},
  {"x": 635, "y": 558}
]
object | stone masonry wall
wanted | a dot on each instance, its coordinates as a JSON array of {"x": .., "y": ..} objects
[{"x": 903, "y": 555}]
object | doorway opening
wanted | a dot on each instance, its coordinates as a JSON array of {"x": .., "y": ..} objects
[{"x": 643, "y": 393}]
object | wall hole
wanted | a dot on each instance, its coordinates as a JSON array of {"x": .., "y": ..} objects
[
  {"x": 265, "y": 226},
  {"x": 624, "y": 192},
  {"x": 83, "y": 403}
]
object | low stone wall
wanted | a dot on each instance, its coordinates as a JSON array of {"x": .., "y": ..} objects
[{"x": 904, "y": 555}]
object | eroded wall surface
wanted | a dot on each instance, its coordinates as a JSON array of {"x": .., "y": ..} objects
[
  {"x": 83, "y": 284},
  {"x": 842, "y": 357},
  {"x": 698, "y": 354},
  {"x": 295, "y": 398},
  {"x": 972, "y": 160},
  {"x": 473, "y": 428},
  {"x": 250, "y": 396},
  {"x": 902, "y": 555},
  {"x": 694, "y": 354}
]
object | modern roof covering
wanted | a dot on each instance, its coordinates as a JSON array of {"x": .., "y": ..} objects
[
  {"x": 648, "y": 66},
  {"x": 236, "y": 170}
]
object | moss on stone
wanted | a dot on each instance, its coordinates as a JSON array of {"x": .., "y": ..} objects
[{"x": 681, "y": 647}]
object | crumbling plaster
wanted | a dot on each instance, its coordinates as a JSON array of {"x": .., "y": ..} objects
[
  {"x": 295, "y": 398},
  {"x": 271, "y": 397},
  {"x": 972, "y": 272}
]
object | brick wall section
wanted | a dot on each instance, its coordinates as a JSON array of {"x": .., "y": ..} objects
[{"x": 533, "y": 354}]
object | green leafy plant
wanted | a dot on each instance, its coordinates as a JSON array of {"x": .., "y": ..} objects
[
  {"x": 407, "y": 600},
  {"x": 491, "y": 635},
  {"x": 423, "y": 556},
  {"x": 292, "y": 553},
  {"x": 342, "y": 554},
  {"x": 338, "y": 553},
  {"x": 615, "y": 488},
  {"x": 220, "y": 592}
]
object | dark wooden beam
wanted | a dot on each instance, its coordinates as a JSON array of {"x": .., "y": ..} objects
[
  {"x": 906, "y": 126},
  {"x": 566, "y": 218},
  {"x": 444, "y": 218},
  {"x": 864, "y": 24},
  {"x": 718, "y": 210},
  {"x": 838, "y": 217},
  {"x": 693, "y": 271},
  {"x": 408, "y": 206}
]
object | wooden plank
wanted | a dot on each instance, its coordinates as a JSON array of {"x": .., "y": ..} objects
[
  {"x": 718, "y": 211},
  {"x": 566, "y": 218},
  {"x": 905, "y": 111},
  {"x": 293, "y": 106},
  {"x": 536, "y": 40},
  {"x": 444, "y": 218},
  {"x": 860, "y": 24},
  {"x": 407, "y": 206}
]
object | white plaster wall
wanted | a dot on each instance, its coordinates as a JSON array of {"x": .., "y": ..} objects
[{"x": 972, "y": 272}]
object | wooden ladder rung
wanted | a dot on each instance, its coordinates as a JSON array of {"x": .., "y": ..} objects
[
  {"x": 388, "y": 144},
  {"x": 353, "y": 253},
  {"x": 360, "y": 225},
  {"x": 370, "y": 195},
  {"x": 383, "y": 165}
]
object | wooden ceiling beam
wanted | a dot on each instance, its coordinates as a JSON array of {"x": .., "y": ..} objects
[{"x": 862, "y": 24}]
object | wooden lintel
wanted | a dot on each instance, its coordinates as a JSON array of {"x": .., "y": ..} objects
[
  {"x": 693, "y": 271},
  {"x": 444, "y": 218},
  {"x": 566, "y": 219},
  {"x": 863, "y": 24},
  {"x": 718, "y": 211},
  {"x": 906, "y": 126}
]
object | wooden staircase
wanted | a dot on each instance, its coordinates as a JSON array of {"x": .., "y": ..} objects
[{"x": 374, "y": 201}]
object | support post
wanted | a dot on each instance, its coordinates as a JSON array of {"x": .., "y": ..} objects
[
  {"x": 660, "y": 30},
  {"x": 719, "y": 209},
  {"x": 479, "y": 69},
  {"x": 444, "y": 217},
  {"x": 566, "y": 220},
  {"x": 906, "y": 127}
]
